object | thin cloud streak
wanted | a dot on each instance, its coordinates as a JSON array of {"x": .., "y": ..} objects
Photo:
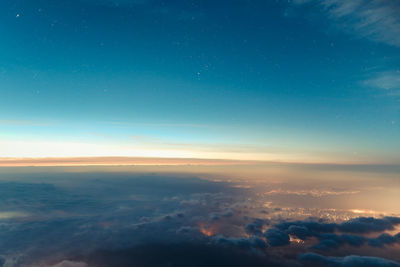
[
  {"x": 389, "y": 81},
  {"x": 375, "y": 20}
]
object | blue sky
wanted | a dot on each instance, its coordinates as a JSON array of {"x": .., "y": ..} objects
[{"x": 271, "y": 80}]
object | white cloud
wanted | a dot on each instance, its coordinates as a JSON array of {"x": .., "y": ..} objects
[
  {"x": 377, "y": 20},
  {"x": 389, "y": 80}
]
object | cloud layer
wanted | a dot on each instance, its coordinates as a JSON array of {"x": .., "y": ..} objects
[{"x": 124, "y": 219}]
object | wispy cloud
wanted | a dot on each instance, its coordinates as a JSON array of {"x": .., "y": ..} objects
[
  {"x": 377, "y": 20},
  {"x": 388, "y": 80}
]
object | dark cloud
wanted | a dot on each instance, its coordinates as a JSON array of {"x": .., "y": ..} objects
[
  {"x": 361, "y": 225},
  {"x": 255, "y": 227},
  {"x": 308, "y": 228},
  {"x": 183, "y": 254},
  {"x": 301, "y": 232},
  {"x": 227, "y": 213},
  {"x": 277, "y": 237},
  {"x": 187, "y": 230},
  {"x": 368, "y": 224},
  {"x": 329, "y": 241},
  {"x": 214, "y": 217},
  {"x": 333, "y": 241},
  {"x": 98, "y": 210},
  {"x": 241, "y": 242},
  {"x": 354, "y": 240},
  {"x": 382, "y": 240},
  {"x": 329, "y": 236},
  {"x": 313, "y": 259}
]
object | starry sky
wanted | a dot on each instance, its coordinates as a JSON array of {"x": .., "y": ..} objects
[{"x": 297, "y": 81}]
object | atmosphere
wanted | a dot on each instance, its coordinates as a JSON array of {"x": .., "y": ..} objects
[
  {"x": 299, "y": 81},
  {"x": 199, "y": 133}
]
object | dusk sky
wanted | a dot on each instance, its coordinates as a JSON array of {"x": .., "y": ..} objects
[
  {"x": 199, "y": 133},
  {"x": 297, "y": 81}
]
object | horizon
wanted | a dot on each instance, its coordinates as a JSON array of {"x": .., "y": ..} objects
[
  {"x": 115, "y": 160},
  {"x": 201, "y": 133}
]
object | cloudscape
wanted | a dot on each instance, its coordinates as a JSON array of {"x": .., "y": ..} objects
[{"x": 199, "y": 133}]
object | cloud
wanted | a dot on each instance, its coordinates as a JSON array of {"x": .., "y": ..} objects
[
  {"x": 376, "y": 20},
  {"x": 255, "y": 227},
  {"x": 187, "y": 230},
  {"x": 308, "y": 228},
  {"x": 383, "y": 239},
  {"x": 329, "y": 241},
  {"x": 350, "y": 261},
  {"x": 329, "y": 235},
  {"x": 334, "y": 241},
  {"x": 354, "y": 240},
  {"x": 277, "y": 237},
  {"x": 227, "y": 213},
  {"x": 103, "y": 219},
  {"x": 313, "y": 192},
  {"x": 183, "y": 254},
  {"x": 301, "y": 232},
  {"x": 360, "y": 225},
  {"x": 103, "y": 210},
  {"x": 241, "y": 242},
  {"x": 67, "y": 263},
  {"x": 388, "y": 81},
  {"x": 368, "y": 224}
]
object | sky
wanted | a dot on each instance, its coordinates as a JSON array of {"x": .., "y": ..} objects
[
  {"x": 292, "y": 81},
  {"x": 199, "y": 133}
]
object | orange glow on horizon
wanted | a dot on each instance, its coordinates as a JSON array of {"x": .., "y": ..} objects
[
  {"x": 53, "y": 153},
  {"x": 117, "y": 161},
  {"x": 145, "y": 161}
]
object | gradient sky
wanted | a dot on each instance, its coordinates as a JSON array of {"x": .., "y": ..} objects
[{"x": 304, "y": 81}]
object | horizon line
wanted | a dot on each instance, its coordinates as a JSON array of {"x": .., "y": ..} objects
[{"x": 154, "y": 161}]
